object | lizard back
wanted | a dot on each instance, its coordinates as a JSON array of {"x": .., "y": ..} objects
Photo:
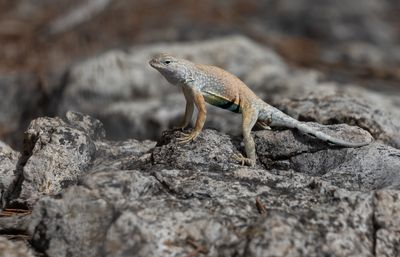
[{"x": 222, "y": 89}]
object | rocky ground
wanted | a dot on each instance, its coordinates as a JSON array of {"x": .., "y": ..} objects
[
  {"x": 72, "y": 192},
  {"x": 89, "y": 167}
]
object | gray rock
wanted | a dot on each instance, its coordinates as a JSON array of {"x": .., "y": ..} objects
[
  {"x": 122, "y": 187},
  {"x": 122, "y": 155},
  {"x": 14, "y": 249},
  {"x": 57, "y": 153},
  {"x": 387, "y": 223},
  {"x": 8, "y": 164},
  {"x": 333, "y": 21},
  {"x": 57, "y": 224},
  {"x": 387, "y": 243},
  {"x": 386, "y": 209},
  {"x": 365, "y": 168},
  {"x": 327, "y": 230},
  {"x": 20, "y": 101},
  {"x": 210, "y": 150},
  {"x": 194, "y": 198},
  {"x": 143, "y": 119}
]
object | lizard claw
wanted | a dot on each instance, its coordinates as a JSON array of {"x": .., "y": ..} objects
[
  {"x": 243, "y": 160},
  {"x": 188, "y": 137}
]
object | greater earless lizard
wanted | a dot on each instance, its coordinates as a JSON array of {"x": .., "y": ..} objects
[{"x": 203, "y": 83}]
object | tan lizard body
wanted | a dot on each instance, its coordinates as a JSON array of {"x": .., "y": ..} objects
[{"x": 203, "y": 83}]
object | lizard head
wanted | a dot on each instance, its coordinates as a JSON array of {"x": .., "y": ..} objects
[{"x": 175, "y": 70}]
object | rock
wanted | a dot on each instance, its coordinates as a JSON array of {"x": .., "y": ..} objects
[
  {"x": 8, "y": 165},
  {"x": 387, "y": 243},
  {"x": 357, "y": 54},
  {"x": 211, "y": 149},
  {"x": 21, "y": 98},
  {"x": 173, "y": 199},
  {"x": 122, "y": 187},
  {"x": 327, "y": 230},
  {"x": 80, "y": 146},
  {"x": 386, "y": 209},
  {"x": 14, "y": 249},
  {"x": 123, "y": 155},
  {"x": 223, "y": 222},
  {"x": 387, "y": 223},
  {"x": 333, "y": 21},
  {"x": 143, "y": 119},
  {"x": 56, "y": 223},
  {"x": 366, "y": 168},
  {"x": 42, "y": 172}
]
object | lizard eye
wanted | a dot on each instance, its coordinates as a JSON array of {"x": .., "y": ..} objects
[{"x": 167, "y": 62}]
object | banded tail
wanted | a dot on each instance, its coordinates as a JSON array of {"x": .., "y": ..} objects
[{"x": 281, "y": 119}]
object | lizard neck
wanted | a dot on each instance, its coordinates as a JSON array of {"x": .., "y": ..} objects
[{"x": 184, "y": 75}]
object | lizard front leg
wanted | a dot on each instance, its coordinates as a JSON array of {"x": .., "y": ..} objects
[
  {"x": 188, "y": 110},
  {"x": 250, "y": 117},
  {"x": 201, "y": 118}
]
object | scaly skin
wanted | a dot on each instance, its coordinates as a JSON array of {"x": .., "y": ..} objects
[{"x": 203, "y": 83}]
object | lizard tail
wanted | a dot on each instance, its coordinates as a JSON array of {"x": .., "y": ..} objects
[
  {"x": 281, "y": 119},
  {"x": 303, "y": 127}
]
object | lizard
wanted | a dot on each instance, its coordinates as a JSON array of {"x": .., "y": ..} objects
[{"x": 202, "y": 83}]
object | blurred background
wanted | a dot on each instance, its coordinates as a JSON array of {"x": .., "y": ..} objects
[{"x": 43, "y": 42}]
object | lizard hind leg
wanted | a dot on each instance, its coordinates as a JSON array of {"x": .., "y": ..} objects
[{"x": 250, "y": 117}]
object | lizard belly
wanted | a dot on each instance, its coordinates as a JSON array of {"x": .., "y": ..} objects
[{"x": 222, "y": 102}]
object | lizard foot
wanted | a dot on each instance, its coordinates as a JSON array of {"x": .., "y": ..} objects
[
  {"x": 263, "y": 125},
  {"x": 243, "y": 160},
  {"x": 188, "y": 137}
]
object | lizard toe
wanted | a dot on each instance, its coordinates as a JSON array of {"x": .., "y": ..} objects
[
  {"x": 187, "y": 137},
  {"x": 243, "y": 160}
]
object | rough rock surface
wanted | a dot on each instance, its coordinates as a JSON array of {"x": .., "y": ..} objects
[
  {"x": 14, "y": 249},
  {"x": 8, "y": 164},
  {"x": 56, "y": 154},
  {"x": 137, "y": 198}
]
